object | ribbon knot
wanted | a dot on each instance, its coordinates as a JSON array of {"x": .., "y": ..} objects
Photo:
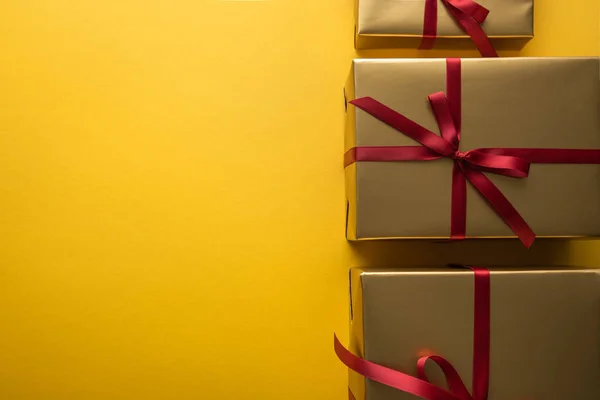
[
  {"x": 468, "y": 14},
  {"x": 458, "y": 155},
  {"x": 476, "y": 159}
]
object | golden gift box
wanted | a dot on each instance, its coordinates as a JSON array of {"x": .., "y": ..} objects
[
  {"x": 543, "y": 331},
  {"x": 537, "y": 103}
]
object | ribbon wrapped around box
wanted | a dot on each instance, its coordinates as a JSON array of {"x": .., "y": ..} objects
[
  {"x": 518, "y": 117},
  {"x": 515, "y": 333},
  {"x": 396, "y": 23}
]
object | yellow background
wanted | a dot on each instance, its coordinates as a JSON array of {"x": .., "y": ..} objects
[{"x": 171, "y": 192}]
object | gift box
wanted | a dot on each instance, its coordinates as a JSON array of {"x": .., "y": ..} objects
[
  {"x": 515, "y": 334},
  {"x": 401, "y": 23},
  {"x": 482, "y": 147}
]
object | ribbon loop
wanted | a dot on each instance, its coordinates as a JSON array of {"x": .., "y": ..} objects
[
  {"x": 515, "y": 167},
  {"x": 453, "y": 379},
  {"x": 443, "y": 116}
]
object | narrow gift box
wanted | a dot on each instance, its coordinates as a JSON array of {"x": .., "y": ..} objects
[
  {"x": 510, "y": 333},
  {"x": 479, "y": 148},
  {"x": 402, "y": 23}
]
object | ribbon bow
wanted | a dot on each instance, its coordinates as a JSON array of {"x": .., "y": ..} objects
[
  {"x": 421, "y": 386},
  {"x": 469, "y": 165},
  {"x": 468, "y": 14}
]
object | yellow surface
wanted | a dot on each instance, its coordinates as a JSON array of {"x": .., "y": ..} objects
[{"x": 172, "y": 196}]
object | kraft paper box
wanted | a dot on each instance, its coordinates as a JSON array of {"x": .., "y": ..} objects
[
  {"x": 548, "y": 103},
  {"x": 545, "y": 329},
  {"x": 399, "y": 23}
]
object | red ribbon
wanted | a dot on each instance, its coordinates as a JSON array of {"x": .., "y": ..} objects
[
  {"x": 468, "y": 14},
  {"x": 469, "y": 165},
  {"x": 421, "y": 386}
]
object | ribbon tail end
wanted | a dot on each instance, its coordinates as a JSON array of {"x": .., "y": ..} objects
[{"x": 528, "y": 241}]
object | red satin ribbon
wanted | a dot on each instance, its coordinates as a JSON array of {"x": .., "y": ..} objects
[
  {"x": 421, "y": 386},
  {"x": 468, "y": 14},
  {"x": 469, "y": 165}
]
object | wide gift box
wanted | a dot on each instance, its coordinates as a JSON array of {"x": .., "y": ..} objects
[
  {"x": 523, "y": 333},
  {"x": 411, "y": 23},
  {"x": 488, "y": 147}
]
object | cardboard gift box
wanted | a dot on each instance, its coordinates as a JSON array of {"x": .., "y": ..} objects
[
  {"x": 543, "y": 338},
  {"x": 519, "y": 107},
  {"x": 403, "y": 23}
]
